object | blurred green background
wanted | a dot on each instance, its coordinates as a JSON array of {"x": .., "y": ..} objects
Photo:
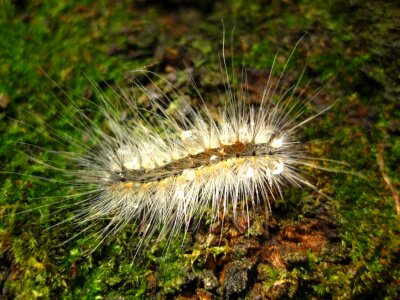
[{"x": 343, "y": 247}]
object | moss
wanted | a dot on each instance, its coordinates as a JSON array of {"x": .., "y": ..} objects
[{"x": 63, "y": 41}]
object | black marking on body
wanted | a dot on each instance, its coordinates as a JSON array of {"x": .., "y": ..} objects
[{"x": 176, "y": 167}]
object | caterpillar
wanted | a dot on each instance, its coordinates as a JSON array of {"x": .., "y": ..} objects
[{"x": 164, "y": 169}]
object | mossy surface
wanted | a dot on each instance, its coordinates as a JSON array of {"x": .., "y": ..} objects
[{"x": 344, "y": 246}]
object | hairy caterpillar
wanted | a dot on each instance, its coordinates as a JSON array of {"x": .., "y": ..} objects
[{"x": 165, "y": 169}]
